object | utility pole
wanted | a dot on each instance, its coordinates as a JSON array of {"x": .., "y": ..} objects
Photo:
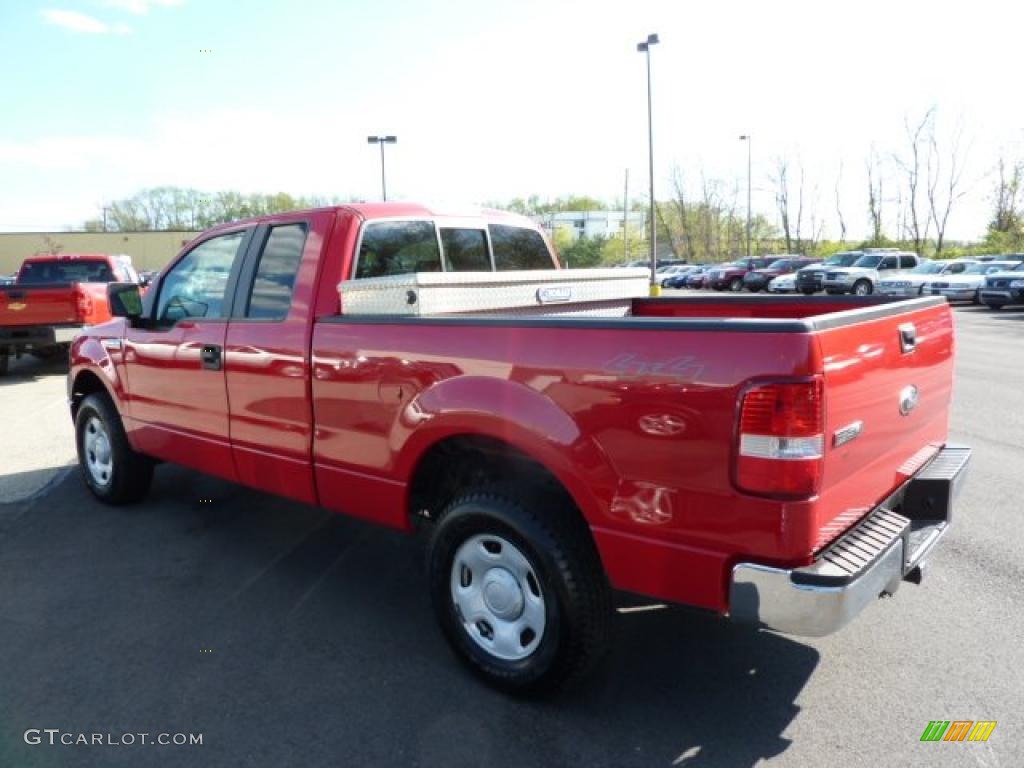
[
  {"x": 747, "y": 138},
  {"x": 625, "y": 218},
  {"x": 382, "y": 140},
  {"x": 645, "y": 48}
]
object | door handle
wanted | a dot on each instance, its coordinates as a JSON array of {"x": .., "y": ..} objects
[
  {"x": 210, "y": 357},
  {"x": 908, "y": 338}
]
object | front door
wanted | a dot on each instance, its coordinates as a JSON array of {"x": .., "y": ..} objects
[{"x": 177, "y": 398}]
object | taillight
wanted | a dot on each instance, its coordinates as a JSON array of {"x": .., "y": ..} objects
[
  {"x": 781, "y": 439},
  {"x": 83, "y": 304}
]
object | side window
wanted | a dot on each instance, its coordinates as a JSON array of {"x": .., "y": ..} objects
[
  {"x": 956, "y": 269},
  {"x": 518, "y": 248},
  {"x": 197, "y": 284},
  {"x": 465, "y": 250},
  {"x": 889, "y": 262},
  {"x": 271, "y": 295},
  {"x": 397, "y": 248},
  {"x": 906, "y": 262}
]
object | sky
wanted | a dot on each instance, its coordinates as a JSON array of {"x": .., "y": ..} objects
[{"x": 490, "y": 100}]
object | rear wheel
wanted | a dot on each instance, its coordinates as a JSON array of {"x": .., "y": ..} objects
[
  {"x": 112, "y": 470},
  {"x": 862, "y": 288},
  {"x": 807, "y": 291},
  {"x": 518, "y": 589},
  {"x": 995, "y": 304},
  {"x": 5, "y": 360}
]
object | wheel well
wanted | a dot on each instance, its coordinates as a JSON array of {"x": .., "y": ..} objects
[
  {"x": 86, "y": 383},
  {"x": 457, "y": 463}
]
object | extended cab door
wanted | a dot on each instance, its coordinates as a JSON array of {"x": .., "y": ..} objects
[
  {"x": 267, "y": 356},
  {"x": 177, "y": 400}
]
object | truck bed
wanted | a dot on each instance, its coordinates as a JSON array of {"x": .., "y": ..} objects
[{"x": 637, "y": 417}]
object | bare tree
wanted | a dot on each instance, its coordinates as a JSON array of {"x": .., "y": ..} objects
[
  {"x": 839, "y": 205},
  {"x": 875, "y": 198},
  {"x": 1007, "y": 217},
  {"x": 945, "y": 188},
  {"x": 912, "y": 165},
  {"x": 781, "y": 181}
]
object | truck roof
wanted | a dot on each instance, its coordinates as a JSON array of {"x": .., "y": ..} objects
[{"x": 391, "y": 210}]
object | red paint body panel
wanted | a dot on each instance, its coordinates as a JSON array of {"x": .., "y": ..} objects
[{"x": 637, "y": 417}]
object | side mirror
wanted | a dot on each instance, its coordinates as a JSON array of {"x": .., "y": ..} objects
[{"x": 125, "y": 300}]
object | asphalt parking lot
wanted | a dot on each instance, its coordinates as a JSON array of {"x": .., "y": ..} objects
[{"x": 289, "y": 636}]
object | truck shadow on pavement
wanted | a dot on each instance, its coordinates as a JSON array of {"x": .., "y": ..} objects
[
  {"x": 292, "y": 636},
  {"x": 29, "y": 368}
]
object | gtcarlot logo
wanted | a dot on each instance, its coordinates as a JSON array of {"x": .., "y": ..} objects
[{"x": 55, "y": 736}]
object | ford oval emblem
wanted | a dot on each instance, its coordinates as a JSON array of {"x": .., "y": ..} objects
[{"x": 908, "y": 399}]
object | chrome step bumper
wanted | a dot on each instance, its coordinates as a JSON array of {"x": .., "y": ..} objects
[{"x": 886, "y": 547}]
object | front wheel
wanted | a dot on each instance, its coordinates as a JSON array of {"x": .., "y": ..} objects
[
  {"x": 862, "y": 288},
  {"x": 736, "y": 284},
  {"x": 112, "y": 470},
  {"x": 518, "y": 589}
]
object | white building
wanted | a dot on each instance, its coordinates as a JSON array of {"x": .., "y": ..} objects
[{"x": 591, "y": 223}]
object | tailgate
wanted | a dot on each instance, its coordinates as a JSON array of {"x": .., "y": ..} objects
[
  {"x": 38, "y": 305},
  {"x": 888, "y": 383}
]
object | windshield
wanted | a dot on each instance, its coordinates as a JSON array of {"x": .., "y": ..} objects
[
  {"x": 839, "y": 260},
  {"x": 868, "y": 261},
  {"x": 927, "y": 268}
]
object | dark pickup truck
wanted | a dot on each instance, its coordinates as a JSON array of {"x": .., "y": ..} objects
[
  {"x": 781, "y": 461},
  {"x": 730, "y": 276}
]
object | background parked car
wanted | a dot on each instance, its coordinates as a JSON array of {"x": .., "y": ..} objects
[
  {"x": 672, "y": 270},
  {"x": 730, "y": 276},
  {"x": 695, "y": 279},
  {"x": 1003, "y": 288},
  {"x": 861, "y": 277},
  {"x": 912, "y": 282},
  {"x": 810, "y": 279},
  {"x": 7, "y": 279},
  {"x": 966, "y": 285},
  {"x": 757, "y": 279},
  {"x": 782, "y": 284}
]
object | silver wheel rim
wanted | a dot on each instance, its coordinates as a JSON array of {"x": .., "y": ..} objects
[
  {"x": 497, "y": 597},
  {"x": 99, "y": 460},
  {"x": 861, "y": 289}
]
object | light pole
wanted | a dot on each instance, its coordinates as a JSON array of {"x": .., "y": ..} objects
[
  {"x": 382, "y": 140},
  {"x": 645, "y": 48},
  {"x": 750, "y": 143}
]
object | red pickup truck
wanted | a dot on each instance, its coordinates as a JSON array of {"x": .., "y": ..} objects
[
  {"x": 780, "y": 460},
  {"x": 53, "y": 297}
]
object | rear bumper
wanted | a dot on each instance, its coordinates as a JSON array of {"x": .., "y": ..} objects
[
  {"x": 1004, "y": 295},
  {"x": 956, "y": 294},
  {"x": 885, "y": 548},
  {"x": 31, "y": 336},
  {"x": 906, "y": 291}
]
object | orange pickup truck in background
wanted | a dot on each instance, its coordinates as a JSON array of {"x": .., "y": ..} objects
[{"x": 53, "y": 298}]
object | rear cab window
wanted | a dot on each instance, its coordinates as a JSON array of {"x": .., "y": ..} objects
[
  {"x": 398, "y": 248},
  {"x": 519, "y": 248},
  {"x": 69, "y": 271}
]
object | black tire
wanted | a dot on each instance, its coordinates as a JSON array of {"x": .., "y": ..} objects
[
  {"x": 568, "y": 581},
  {"x": 995, "y": 304},
  {"x": 130, "y": 473},
  {"x": 862, "y": 288},
  {"x": 736, "y": 284},
  {"x": 807, "y": 291},
  {"x": 5, "y": 361}
]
